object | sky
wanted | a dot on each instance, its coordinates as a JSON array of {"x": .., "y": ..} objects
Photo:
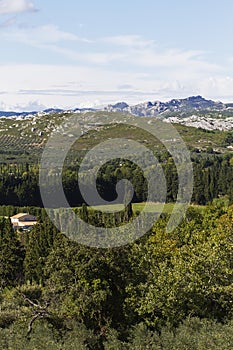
[{"x": 90, "y": 53}]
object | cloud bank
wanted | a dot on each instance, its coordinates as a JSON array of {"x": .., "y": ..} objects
[
  {"x": 97, "y": 71},
  {"x": 16, "y": 6}
]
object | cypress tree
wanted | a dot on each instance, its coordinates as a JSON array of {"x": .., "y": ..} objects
[{"x": 11, "y": 256}]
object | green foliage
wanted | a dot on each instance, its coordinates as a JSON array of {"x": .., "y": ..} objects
[
  {"x": 44, "y": 337},
  {"x": 212, "y": 179},
  {"x": 86, "y": 284},
  {"x": 192, "y": 334},
  {"x": 164, "y": 291},
  {"x": 40, "y": 243},
  {"x": 11, "y": 256}
]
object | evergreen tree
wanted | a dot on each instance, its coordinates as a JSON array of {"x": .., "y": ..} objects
[
  {"x": 11, "y": 255},
  {"x": 41, "y": 241}
]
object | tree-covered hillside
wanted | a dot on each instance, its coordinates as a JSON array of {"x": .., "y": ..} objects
[{"x": 165, "y": 291}]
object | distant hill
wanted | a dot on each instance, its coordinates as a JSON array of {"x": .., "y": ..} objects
[
  {"x": 193, "y": 111},
  {"x": 22, "y": 138}
]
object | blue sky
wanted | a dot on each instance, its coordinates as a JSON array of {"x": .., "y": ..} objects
[{"x": 89, "y": 53}]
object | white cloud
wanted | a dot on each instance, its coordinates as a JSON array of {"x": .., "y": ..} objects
[
  {"x": 129, "y": 41},
  {"x": 138, "y": 51},
  {"x": 30, "y": 106},
  {"x": 68, "y": 86},
  {"x": 107, "y": 70},
  {"x": 174, "y": 62},
  {"x": 41, "y": 35},
  {"x": 128, "y": 51},
  {"x": 16, "y": 6}
]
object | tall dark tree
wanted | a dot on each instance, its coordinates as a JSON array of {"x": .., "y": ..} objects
[
  {"x": 11, "y": 256},
  {"x": 41, "y": 241}
]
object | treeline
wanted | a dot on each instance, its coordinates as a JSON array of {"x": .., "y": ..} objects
[
  {"x": 164, "y": 291},
  {"x": 213, "y": 178}
]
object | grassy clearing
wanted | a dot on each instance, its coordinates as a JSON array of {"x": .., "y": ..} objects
[{"x": 152, "y": 207}]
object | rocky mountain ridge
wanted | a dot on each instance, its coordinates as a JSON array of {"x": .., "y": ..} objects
[
  {"x": 193, "y": 111},
  {"x": 152, "y": 109}
]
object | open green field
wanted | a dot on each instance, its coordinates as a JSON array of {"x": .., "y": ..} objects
[{"x": 151, "y": 207}]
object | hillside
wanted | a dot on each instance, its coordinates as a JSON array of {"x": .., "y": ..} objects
[{"x": 24, "y": 137}]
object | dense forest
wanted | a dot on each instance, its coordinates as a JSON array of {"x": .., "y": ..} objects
[
  {"x": 213, "y": 178},
  {"x": 164, "y": 291}
]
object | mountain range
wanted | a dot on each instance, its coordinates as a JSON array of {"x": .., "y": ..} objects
[
  {"x": 192, "y": 111},
  {"x": 152, "y": 109}
]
